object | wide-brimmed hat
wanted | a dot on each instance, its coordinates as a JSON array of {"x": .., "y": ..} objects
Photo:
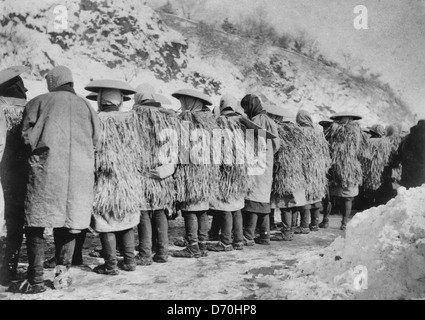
[
  {"x": 12, "y": 72},
  {"x": 252, "y": 125},
  {"x": 194, "y": 94},
  {"x": 162, "y": 99},
  {"x": 277, "y": 111},
  {"x": 346, "y": 114},
  {"x": 97, "y": 85},
  {"x": 93, "y": 97}
]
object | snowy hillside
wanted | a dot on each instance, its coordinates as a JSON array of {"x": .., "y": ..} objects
[{"x": 127, "y": 40}]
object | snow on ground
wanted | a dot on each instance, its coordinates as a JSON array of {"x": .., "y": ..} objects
[{"x": 381, "y": 256}]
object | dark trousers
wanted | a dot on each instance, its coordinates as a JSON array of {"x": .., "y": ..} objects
[
  {"x": 77, "y": 257},
  {"x": 250, "y": 222},
  {"x": 153, "y": 229},
  {"x": 289, "y": 218},
  {"x": 214, "y": 233},
  {"x": 14, "y": 239},
  {"x": 196, "y": 226},
  {"x": 109, "y": 245},
  {"x": 345, "y": 207},
  {"x": 227, "y": 222},
  {"x": 35, "y": 246}
]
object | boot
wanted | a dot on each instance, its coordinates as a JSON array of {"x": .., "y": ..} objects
[
  {"x": 24, "y": 287},
  {"x": 324, "y": 224},
  {"x": 220, "y": 247},
  {"x": 203, "y": 248},
  {"x": 191, "y": 251}
]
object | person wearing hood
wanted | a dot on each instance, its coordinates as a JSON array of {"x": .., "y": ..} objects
[
  {"x": 195, "y": 214},
  {"x": 257, "y": 204},
  {"x": 412, "y": 151},
  {"x": 112, "y": 230},
  {"x": 13, "y": 171},
  {"x": 153, "y": 226},
  {"x": 227, "y": 216},
  {"x": 61, "y": 130}
]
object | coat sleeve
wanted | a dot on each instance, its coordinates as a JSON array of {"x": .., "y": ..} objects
[
  {"x": 3, "y": 132},
  {"x": 96, "y": 125},
  {"x": 265, "y": 122},
  {"x": 30, "y": 119}
]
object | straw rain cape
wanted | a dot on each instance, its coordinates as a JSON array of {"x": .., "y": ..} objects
[
  {"x": 234, "y": 180},
  {"x": 196, "y": 182},
  {"x": 118, "y": 187},
  {"x": 157, "y": 194},
  {"x": 348, "y": 145},
  {"x": 288, "y": 173},
  {"x": 378, "y": 153},
  {"x": 316, "y": 164}
]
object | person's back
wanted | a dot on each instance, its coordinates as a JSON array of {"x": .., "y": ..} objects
[
  {"x": 60, "y": 130},
  {"x": 413, "y": 157},
  {"x": 62, "y": 144}
]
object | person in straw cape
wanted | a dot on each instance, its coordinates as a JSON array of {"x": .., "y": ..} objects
[
  {"x": 257, "y": 203},
  {"x": 289, "y": 181},
  {"x": 159, "y": 185},
  {"x": 116, "y": 209},
  {"x": 196, "y": 175},
  {"x": 13, "y": 168},
  {"x": 347, "y": 145},
  {"x": 278, "y": 115},
  {"x": 316, "y": 165},
  {"x": 234, "y": 182},
  {"x": 61, "y": 130}
]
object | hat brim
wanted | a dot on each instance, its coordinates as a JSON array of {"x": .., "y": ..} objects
[
  {"x": 194, "y": 94},
  {"x": 162, "y": 99},
  {"x": 252, "y": 125},
  {"x": 97, "y": 85},
  {"x": 278, "y": 111},
  {"x": 348, "y": 115},
  {"x": 12, "y": 72},
  {"x": 93, "y": 97},
  {"x": 325, "y": 123}
]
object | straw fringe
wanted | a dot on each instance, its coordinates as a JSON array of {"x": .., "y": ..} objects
[
  {"x": 234, "y": 180},
  {"x": 316, "y": 164},
  {"x": 288, "y": 168},
  {"x": 197, "y": 182},
  {"x": 348, "y": 145},
  {"x": 14, "y": 117},
  {"x": 118, "y": 188}
]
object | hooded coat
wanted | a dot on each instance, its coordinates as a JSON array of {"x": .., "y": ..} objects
[
  {"x": 61, "y": 129},
  {"x": 413, "y": 157},
  {"x": 262, "y": 188}
]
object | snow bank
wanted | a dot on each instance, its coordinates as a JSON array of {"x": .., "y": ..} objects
[{"x": 382, "y": 256}]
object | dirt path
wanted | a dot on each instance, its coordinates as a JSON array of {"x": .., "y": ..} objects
[{"x": 258, "y": 272}]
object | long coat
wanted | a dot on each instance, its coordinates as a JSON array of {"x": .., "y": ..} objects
[
  {"x": 262, "y": 188},
  {"x": 2, "y": 145},
  {"x": 61, "y": 130},
  {"x": 413, "y": 157}
]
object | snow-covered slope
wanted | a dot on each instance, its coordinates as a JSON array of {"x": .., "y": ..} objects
[{"x": 124, "y": 39}]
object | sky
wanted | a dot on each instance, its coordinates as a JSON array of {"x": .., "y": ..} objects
[{"x": 393, "y": 45}]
